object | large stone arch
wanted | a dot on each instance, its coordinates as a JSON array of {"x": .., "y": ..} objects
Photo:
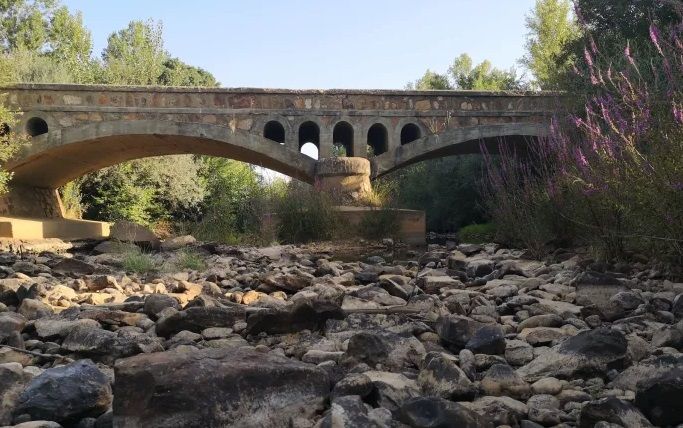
[
  {"x": 456, "y": 141},
  {"x": 62, "y": 155}
]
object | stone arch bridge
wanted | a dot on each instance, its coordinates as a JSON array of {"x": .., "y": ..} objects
[{"x": 77, "y": 129}]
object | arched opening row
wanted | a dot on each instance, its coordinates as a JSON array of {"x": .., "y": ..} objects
[{"x": 342, "y": 137}]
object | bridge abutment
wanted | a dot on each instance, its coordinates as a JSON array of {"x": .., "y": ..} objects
[{"x": 31, "y": 202}]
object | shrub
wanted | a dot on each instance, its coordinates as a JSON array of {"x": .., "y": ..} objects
[
  {"x": 379, "y": 223},
  {"x": 305, "y": 215},
  {"x": 610, "y": 177},
  {"x": 477, "y": 233}
]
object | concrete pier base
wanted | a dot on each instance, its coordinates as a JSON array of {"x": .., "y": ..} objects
[
  {"x": 347, "y": 179},
  {"x": 46, "y": 228}
]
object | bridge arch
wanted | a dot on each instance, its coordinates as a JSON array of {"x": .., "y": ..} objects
[
  {"x": 275, "y": 131},
  {"x": 55, "y": 158},
  {"x": 378, "y": 138},
  {"x": 457, "y": 141},
  {"x": 409, "y": 133},
  {"x": 342, "y": 135}
]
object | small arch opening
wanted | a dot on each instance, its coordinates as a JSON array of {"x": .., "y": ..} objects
[
  {"x": 309, "y": 132},
  {"x": 310, "y": 150},
  {"x": 378, "y": 140},
  {"x": 342, "y": 138},
  {"x": 409, "y": 133},
  {"x": 36, "y": 126},
  {"x": 274, "y": 131}
]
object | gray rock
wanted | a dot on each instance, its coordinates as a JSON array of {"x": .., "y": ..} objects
[
  {"x": 196, "y": 319},
  {"x": 588, "y": 352},
  {"x": 612, "y": 410},
  {"x": 34, "y": 309},
  {"x": 155, "y": 303},
  {"x": 215, "y": 387},
  {"x": 660, "y": 398},
  {"x": 66, "y": 394},
  {"x": 353, "y": 384},
  {"x": 502, "y": 380},
  {"x": 441, "y": 377},
  {"x": 392, "y": 389},
  {"x": 432, "y": 412},
  {"x": 500, "y": 410},
  {"x": 544, "y": 409}
]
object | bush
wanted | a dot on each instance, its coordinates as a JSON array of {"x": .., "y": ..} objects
[
  {"x": 379, "y": 223},
  {"x": 305, "y": 215},
  {"x": 610, "y": 177},
  {"x": 477, "y": 233}
]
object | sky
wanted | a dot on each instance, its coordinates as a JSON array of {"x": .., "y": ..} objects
[{"x": 322, "y": 44}]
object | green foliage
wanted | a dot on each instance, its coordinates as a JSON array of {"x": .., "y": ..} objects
[
  {"x": 379, "y": 223},
  {"x": 463, "y": 74},
  {"x": 71, "y": 196},
  {"x": 483, "y": 76},
  {"x": 446, "y": 189},
  {"x": 305, "y": 215},
  {"x": 136, "y": 261},
  {"x": 431, "y": 81},
  {"x": 25, "y": 24},
  {"x": 135, "y": 55},
  {"x": 234, "y": 202},
  {"x": 338, "y": 151},
  {"x": 477, "y": 233},
  {"x": 551, "y": 30},
  {"x": 177, "y": 73},
  {"x": 189, "y": 260},
  {"x": 10, "y": 141},
  {"x": 145, "y": 190}
]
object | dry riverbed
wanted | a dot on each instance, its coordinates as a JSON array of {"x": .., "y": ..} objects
[{"x": 464, "y": 336}]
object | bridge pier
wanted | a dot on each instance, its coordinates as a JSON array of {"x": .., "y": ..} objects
[
  {"x": 347, "y": 179},
  {"x": 31, "y": 202}
]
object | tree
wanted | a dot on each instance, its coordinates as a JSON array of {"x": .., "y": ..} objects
[
  {"x": 70, "y": 44},
  {"x": 10, "y": 141},
  {"x": 551, "y": 30},
  {"x": 135, "y": 55},
  {"x": 483, "y": 76},
  {"x": 25, "y": 24},
  {"x": 431, "y": 81},
  {"x": 177, "y": 73}
]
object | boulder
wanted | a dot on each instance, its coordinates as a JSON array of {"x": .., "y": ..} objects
[
  {"x": 440, "y": 376},
  {"x": 502, "y": 380},
  {"x": 612, "y": 410},
  {"x": 215, "y": 387},
  {"x": 458, "y": 332},
  {"x": 301, "y": 315},
  {"x": 588, "y": 352},
  {"x": 196, "y": 319},
  {"x": 391, "y": 350},
  {"x": 500, "y": 410},
  {"x": 178, "y": 242},
  {"x": 432, "y": 412},
  {"x": 660, "y": 397},
  {"x": 391, "y": 390},
  {"x": 155, "y": 303},
  {"x": 127, "y": 231},
  {"x": 66, "y": 394},
  {"x": 13, "y": 380},
  {"x": 33, "y": 309},
  {"x": 74, "y": 267}
]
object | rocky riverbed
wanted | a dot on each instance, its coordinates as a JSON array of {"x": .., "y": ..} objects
[{"x": 464, "y": 336}]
